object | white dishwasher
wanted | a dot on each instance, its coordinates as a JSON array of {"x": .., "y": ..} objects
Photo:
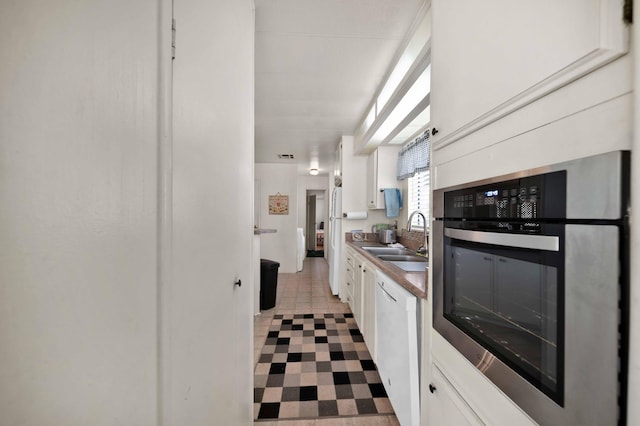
[{"x": 397, "y": 348}]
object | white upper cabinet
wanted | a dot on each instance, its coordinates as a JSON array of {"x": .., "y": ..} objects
[
  {"x": 491, "y": 58},
  {"x": 381, "y": 174}
]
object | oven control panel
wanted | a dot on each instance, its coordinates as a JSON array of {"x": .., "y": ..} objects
[{"x": 530, "y": 198}]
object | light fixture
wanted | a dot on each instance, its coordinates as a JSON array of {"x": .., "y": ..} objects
[{"x": 313, "y": 172}]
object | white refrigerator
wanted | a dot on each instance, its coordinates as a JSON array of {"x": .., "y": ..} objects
[{"x": 335, "y": 229}]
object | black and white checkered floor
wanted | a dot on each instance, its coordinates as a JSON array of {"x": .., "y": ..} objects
[{"x": 316, "y": 365}]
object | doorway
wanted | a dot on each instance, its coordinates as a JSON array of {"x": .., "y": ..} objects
[{"x": 316, "y": 214}]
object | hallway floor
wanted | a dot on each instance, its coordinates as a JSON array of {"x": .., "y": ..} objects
[{"x": 308, "y": 292}]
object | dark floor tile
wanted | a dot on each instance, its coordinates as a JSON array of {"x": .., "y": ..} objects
[
  {"x": 308, "y": 393},
  {"x": 367, "y": 364},
  {"x": 291, "y": 393},
  {"x": 287, "y": 321},
  {"x": 341, "y": 320},
  {"x": 269, "y": 410},
  {"x": 308, "y": 333},
  {"x": 282, "y": 349},
  {"x": 277, "y": 368},
  {"x": 273, "y": 334},
  {"x": 348, "y": 315},
  {"x": 357, "y": 377},
  {"x": 323, "y": 366},
  {"x": 294, "y": 357},
  {"x": 283, "y": 341},
  {"x": 354, "y": 332},
  {"x": 321, "y": 339},
  {"x": 257, "y": 394},
  {"x": 297, "y": 327},
  {"x": 341, "y": 378},
  {"x": 336, "y": 356},
  {"x": 335, "y": 347},
  {"x": 328, "y": 315},
  {"x": 319, "y": 326},
  {"x": 308, "y": 315},
  {"x": 275, "y": 380},
  {"x": 265, "y": 358},
  {"x": 350, "y": 355},
  {"x": 308, "y": 356},
  {"x": 344, "y": 392},
  {"x": 279, "y": 316},
  {"x": 377, "y": 390},
  {"x": 327, "y": 408},
  {"x": 366, "y": 406},
  {"x": 332, "y": 333}
]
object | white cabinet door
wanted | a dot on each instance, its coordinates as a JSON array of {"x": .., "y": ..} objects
[
  {"x": 445, "y": 405},
  {"x": 381, "y": 173},
  {"x": 491, "y": 58},
  {"x": 369, "y": 306},
  {"x": 356, "y": 307},
  {"x": 372, "y": 180}
]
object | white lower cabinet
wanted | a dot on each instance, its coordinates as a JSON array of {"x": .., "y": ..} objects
[
  {"x": 445, "y": 405},
  {"x": 349, "y": 275},
  {"x": 368, "y": 326},
  {"x": 397, "y": 348}
]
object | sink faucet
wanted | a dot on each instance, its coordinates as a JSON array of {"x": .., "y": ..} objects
[{"x": 425, "y": 246}]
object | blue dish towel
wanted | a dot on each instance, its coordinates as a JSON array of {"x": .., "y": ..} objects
[{"x": 392, "y": 201}]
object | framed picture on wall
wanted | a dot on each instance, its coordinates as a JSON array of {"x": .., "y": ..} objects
[{"x": 278, "y": 204}]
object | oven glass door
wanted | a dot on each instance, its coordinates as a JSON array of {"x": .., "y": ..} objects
[{"x": 509, "y": 299}]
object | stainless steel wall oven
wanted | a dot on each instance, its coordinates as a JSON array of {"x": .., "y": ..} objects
[{"x": 531, "y": 285}]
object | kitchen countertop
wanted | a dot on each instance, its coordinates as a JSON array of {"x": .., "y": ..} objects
[{"x": 413, "y": 282}]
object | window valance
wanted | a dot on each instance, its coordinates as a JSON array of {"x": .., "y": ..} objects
[{"x": 414, "y": 157}]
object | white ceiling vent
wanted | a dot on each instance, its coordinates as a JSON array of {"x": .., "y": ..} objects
[{"x": 286, "y": 156}]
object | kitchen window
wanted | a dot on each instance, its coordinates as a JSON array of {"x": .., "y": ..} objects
[{"x": 418, "y": 197}]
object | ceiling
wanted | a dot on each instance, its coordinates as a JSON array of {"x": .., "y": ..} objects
[{"x": 318, "y": 64}]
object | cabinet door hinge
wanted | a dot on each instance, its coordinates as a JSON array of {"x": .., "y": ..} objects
[
  {"x": 627, "y": 11},
  {"x": 173, "y": 39}
]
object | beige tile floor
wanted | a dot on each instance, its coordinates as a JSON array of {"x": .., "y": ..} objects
[{"x": 308, "y": 292}]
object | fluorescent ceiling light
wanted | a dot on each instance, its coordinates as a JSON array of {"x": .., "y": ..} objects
[
  {"x": 420, "y": 88},
  {"x": 413, "y": 129}
]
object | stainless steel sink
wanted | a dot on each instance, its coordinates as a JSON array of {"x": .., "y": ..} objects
[
  {"x": 378, "y": 251},
  {"x": 411, "y": 266},
  {"x": 402, "y": 258}
]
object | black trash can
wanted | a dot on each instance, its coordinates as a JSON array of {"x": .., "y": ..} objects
[{"x": 268, "y": 283}]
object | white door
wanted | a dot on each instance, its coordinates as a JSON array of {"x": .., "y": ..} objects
[
  {"x": 211, "y": 318},
  {"x": 311, "y": 222}
]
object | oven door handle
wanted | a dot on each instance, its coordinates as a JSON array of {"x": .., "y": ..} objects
[{"x": 536, "y": 242}]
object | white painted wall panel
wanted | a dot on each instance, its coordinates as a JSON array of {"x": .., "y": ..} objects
[
  {"x": 280, "y": 246},
  {"x": 78, "y": 140}
]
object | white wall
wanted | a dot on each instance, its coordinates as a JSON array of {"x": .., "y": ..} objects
[
  {"x": 78, "y": 144},
  {"x": 281, "y": 246},
  {"x": 354, "y": 181},
  {"x": 81, "y": 317}
]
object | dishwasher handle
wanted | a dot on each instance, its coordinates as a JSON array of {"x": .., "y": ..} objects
[{"x": 381, "y": 285}]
